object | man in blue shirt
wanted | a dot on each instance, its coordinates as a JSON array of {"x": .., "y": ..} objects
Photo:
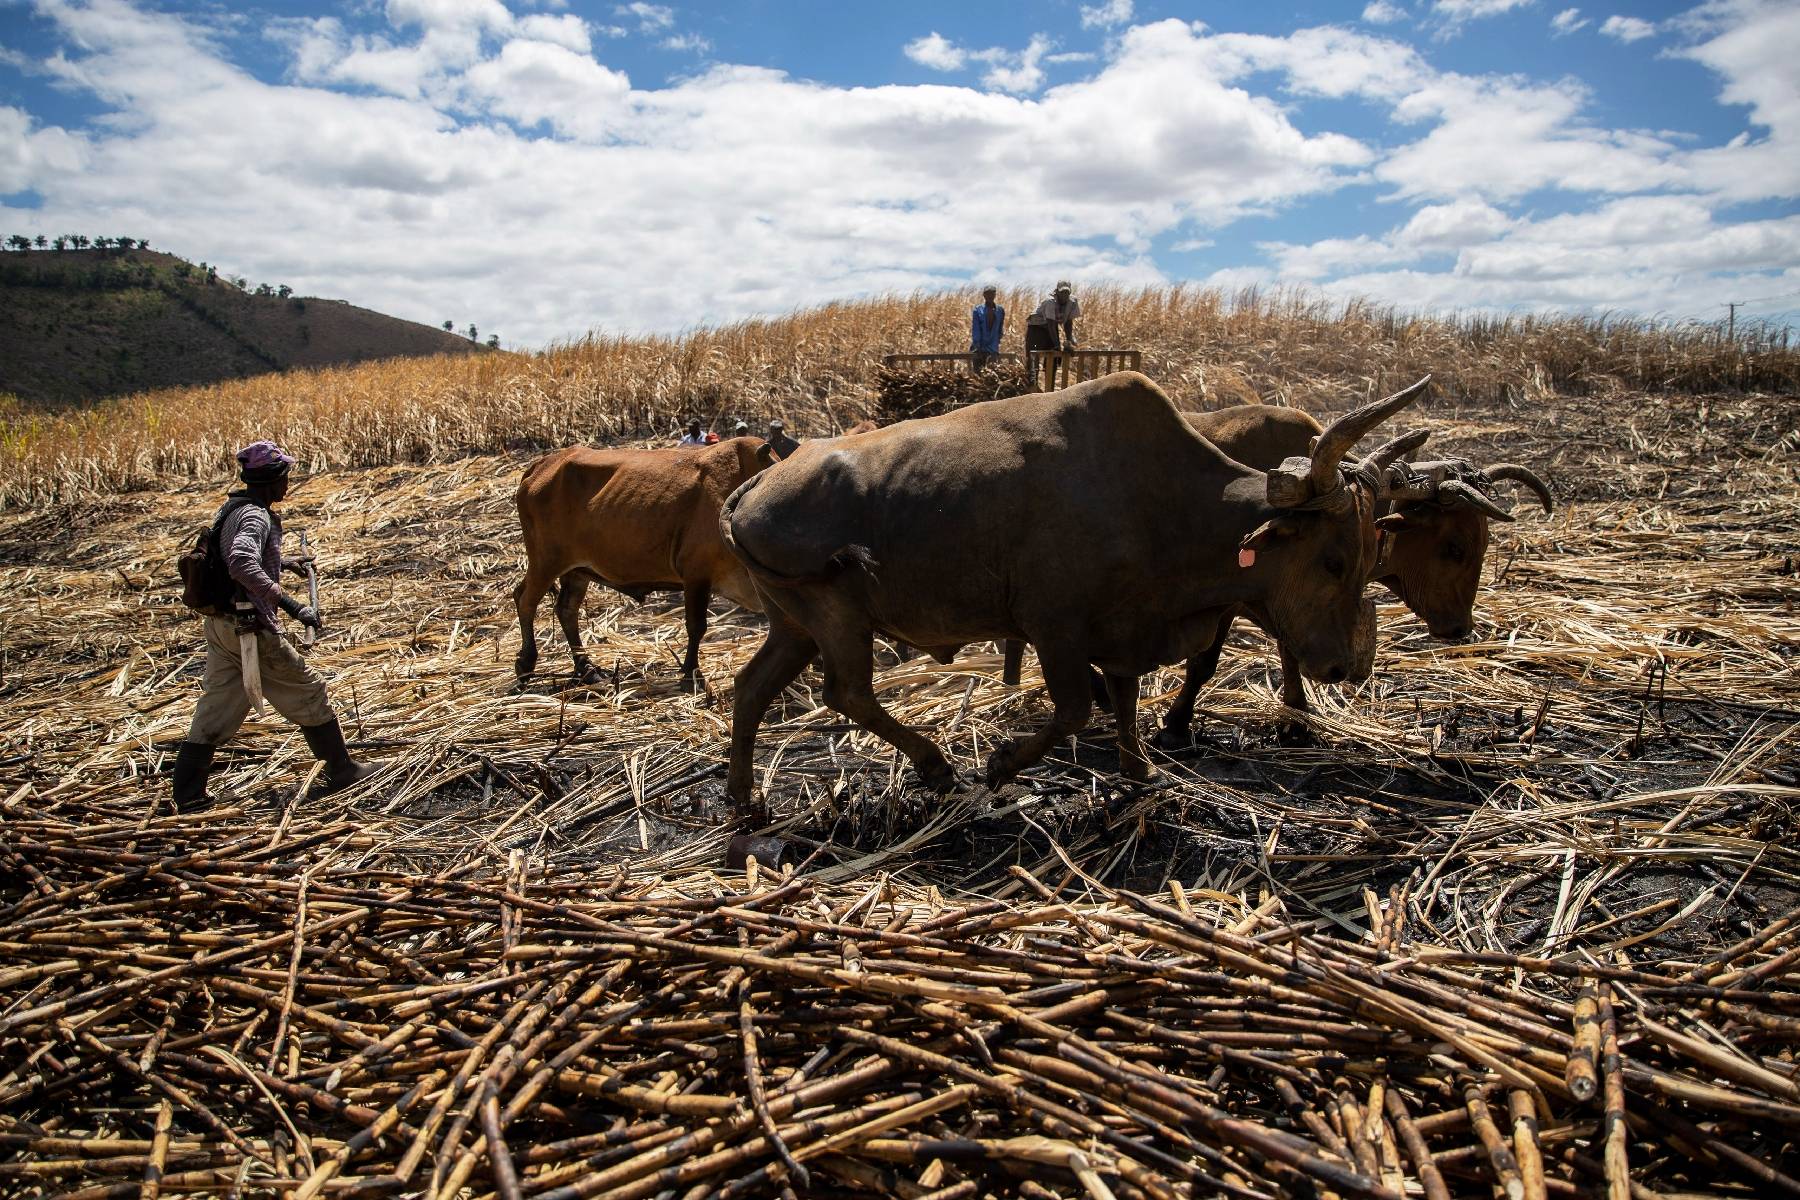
[{"x": 986, "y": 324}]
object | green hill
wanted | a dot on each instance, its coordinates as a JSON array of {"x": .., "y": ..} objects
[{"x": 80, "y": 325}]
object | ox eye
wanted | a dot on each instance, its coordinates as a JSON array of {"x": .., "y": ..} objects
[
  {"x": 1334, "y": 567},
  {"x": 1454, "y": 552}
]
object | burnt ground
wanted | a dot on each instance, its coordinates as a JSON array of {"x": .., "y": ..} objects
[{"x": 1608, "y": 763}]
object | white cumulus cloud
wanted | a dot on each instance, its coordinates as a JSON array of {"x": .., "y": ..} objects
[
  {"x": 1474, "y": 10},
  {"x": 1021, "y": 72},
  {"x": 1106, "y": 15},
  {"x": 1567, "y": 21},
  {"x": 1383, "y": 12},
  {"x": 1627, "y": 29},
  {"x": 651, "y": 18},
  {"x": 937, "y": 52}
]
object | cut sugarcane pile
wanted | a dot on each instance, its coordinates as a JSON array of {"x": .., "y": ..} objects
[
  {"x": 201, "y": 1005},
  {"x": 906, "y": 394}
]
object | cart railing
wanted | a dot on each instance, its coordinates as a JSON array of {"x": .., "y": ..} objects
[{"x": 1077, "y": 366}]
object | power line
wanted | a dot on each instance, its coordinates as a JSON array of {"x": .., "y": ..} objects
[
  {"x": 1766, "y": 299},
  {"x": 1731, "y": 307},
  {"x": 1759, "y": 300}
]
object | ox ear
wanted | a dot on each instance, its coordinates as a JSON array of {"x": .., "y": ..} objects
[
  {"x": 765, "y": 457},
  {"x": 1393, "y": 522},
  {"x": 1266, "y": 535}
]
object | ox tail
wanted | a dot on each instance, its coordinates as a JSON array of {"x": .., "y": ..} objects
[{"x": 834, "y": 564}]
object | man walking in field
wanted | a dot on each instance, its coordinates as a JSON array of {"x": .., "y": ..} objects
[
  {"x": 987, "y": 323},
  {"x": 247, "y": 537}
]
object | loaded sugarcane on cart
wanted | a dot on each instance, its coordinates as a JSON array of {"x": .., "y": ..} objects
[{"x": 1047, "y": 370}]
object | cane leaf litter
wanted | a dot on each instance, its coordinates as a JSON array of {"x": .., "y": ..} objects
[{"x": 1521, "y": 918}]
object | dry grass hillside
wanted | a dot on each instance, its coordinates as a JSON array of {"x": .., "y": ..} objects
[
  {"x": 78, "y": 326},
  {"x": 1522, "y": 920}
]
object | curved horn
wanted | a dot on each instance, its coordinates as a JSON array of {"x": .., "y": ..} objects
[
  {"x": 1473, "y": 496},
  {"x": 1345, "y": 432},
  {"x": 1392, "y": 452},
  {"x": 1514, "y": 473}
]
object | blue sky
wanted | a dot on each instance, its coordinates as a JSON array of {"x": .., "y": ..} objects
[{"x": 544, "y": 168}]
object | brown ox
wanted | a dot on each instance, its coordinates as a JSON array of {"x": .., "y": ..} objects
[
  {"x": 1436, "y": 518},
  {"x": 1091, "y": 522},
  {"x": 638, "y": 521}
]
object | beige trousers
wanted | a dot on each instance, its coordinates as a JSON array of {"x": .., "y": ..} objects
[{"x": 293, "y": 688}]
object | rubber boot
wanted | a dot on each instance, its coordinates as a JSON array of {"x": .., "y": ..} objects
[
  {"x": 327, "y": 744},
  {"x": 192, "y": 762}
]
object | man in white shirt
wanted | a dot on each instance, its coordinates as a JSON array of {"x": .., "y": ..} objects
[
  {"x": 1057, "y": 313},
  {"x": 1054, "y": 316}
]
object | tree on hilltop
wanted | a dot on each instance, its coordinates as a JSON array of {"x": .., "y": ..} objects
[
  {"x": 60, "y": 242},
  {"x": 284, "y": 291},
  {"x": 79, "y": 240},
  {"x": 493, "y": 342},
  {"x": 42, "y": 241},
  {"x": 474, "y": 333},
  {"x": 449, "y": 326},
  {"x": 19, "y": 241}
]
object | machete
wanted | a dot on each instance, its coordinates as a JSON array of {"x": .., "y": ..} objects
[
  {"x": 307, "y": 632},
  {"x": 248, "y": 663}
]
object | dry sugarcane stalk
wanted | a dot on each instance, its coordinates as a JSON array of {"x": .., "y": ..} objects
[
  {"x": 1579, "y": 1073},
  {"x": 1618, "y": 1178},
  {"x": 1526, "y": 1151},
  {"x": 1500, "y": 1158},
  {"x": 506, "y": 1176},
  {"x": 159, "y": 1151}
]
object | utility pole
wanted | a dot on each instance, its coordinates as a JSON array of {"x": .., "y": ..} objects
[{"x": 1731, "y": 319}]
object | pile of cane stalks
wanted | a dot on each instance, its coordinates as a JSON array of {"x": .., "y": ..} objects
[
  {"x": 906, "y": 394},
  {"x": 227, "y": 1003}
]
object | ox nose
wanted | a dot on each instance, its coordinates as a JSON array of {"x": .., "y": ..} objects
[
  {"x": 1336, "y": 675},
  {"x": 1455, "y": 633}
]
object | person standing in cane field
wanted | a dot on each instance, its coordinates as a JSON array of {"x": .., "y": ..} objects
[
  {"x": 987, "y": 323},
  {"x": 232, "y": 578},
  {"x": 1052, "y": 326}
]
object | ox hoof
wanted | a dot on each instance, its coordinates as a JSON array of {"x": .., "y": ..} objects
[
  {"x": 940, "y": 777},
  {"x": 751, "y": 815},
  {"x": 1171, "y": 737},
  {"x": 1000, "y": 767},
  {"x": 524, "y": 665},
  {"x": 1295, "y": 734},
  {"x": 1139, "y": 771},
  {"x": 587, "y": 673}
]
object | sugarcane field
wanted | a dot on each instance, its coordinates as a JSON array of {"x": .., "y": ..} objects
[{"x": 1510, "y": 908}]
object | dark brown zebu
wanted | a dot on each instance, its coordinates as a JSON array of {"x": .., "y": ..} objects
[
  {"x": 1435, "y": 518},
  {"x": 1434, "y": 522},
  {"x": 1091, "y": 522},
  {"x": 638, "y": 521}
]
